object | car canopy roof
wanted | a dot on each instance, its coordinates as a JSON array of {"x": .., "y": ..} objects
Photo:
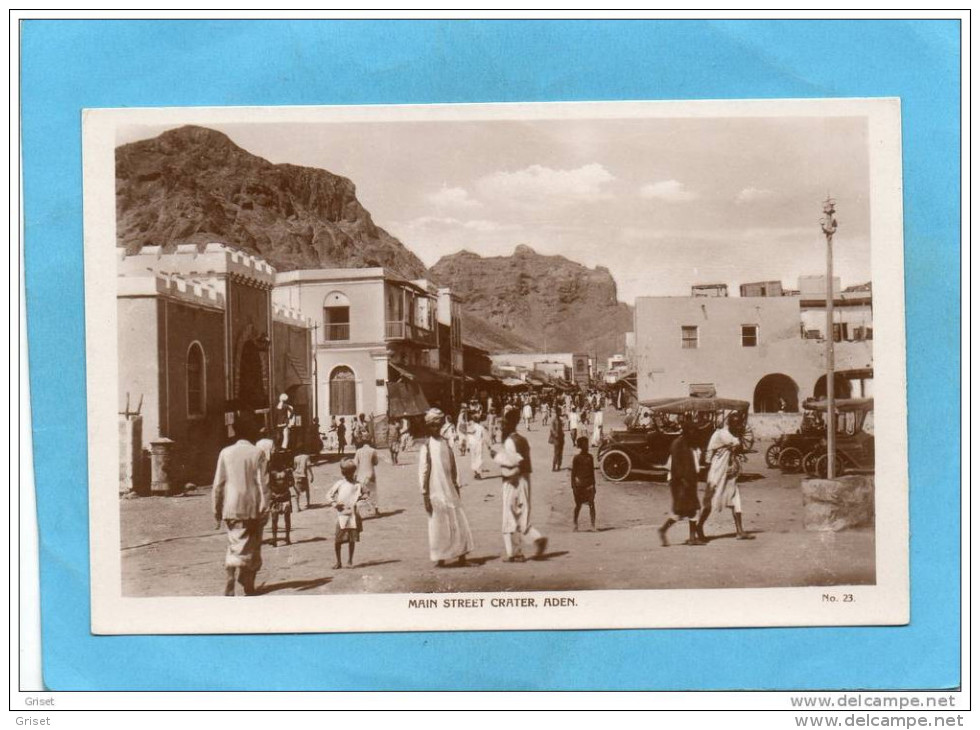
[
  {"x": 693, "y": 403},
  {"x": 842, "y": 405}
]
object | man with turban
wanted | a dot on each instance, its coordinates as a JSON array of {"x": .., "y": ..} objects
[{"x": 449, "y": 530}]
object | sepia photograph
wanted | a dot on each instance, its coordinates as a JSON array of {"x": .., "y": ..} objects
[{"x": 517, "y": 366}]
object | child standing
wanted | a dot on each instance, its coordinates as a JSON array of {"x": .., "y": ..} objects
[
  {"x": 343, "y": 497},
  {"x": 583, "y": 480},
  {"x": 302, "y": 476},
  {"x": 280, "y": 494},
  {"x": 394, "y": 441}
]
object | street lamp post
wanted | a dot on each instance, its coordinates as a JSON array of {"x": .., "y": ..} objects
[{"x": 829, "y": 226}]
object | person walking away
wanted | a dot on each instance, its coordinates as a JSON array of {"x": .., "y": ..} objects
[
  {"x": 583, "y": 481},
  {"x": 303, "y": 475},
  {"x": 573, "y": 424},
  {"x": 462, "y": 427},
  {"x": 683, "y": 466},
  {"x": 394, "y": 441},
  {"x": 449, "y": 530},
  {"x": 516, "y": 518},
  {"x": 280, "y": 495},
  {"x": 476, "y": 438},
  {"x": 556, "y": 437},
  {"x": 341, "y": 437},
  {"x": 528, "y": 414},
  {"x": 722, "y": 484},
  {"x": 597, "y": 420},
  {"x": 343, "y": 497},
  {"x": 240, "y": 501},
  {"x": 366, "y": 459}
]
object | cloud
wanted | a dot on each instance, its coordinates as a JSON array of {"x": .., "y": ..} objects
[
  {"x": 453, "y": 198},
  {"x": 538, "y": 184},
  {"x": 430, "y": 223},
  {"x": 671, "y": 191},
  {"x": 753, "y": 195}
]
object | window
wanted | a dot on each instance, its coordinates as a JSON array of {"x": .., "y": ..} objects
[
  {"x": 750, "y": 335},
  {"x": 689, "y": 338},
  {"x": 336, "y": 323},
  {"x": 196, "y": 402},
  {"x": 336, "y": 317}
]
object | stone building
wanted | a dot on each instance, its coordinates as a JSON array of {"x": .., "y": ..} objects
[
  {"x": 198, "y": 340},
  {"x": 377, "y": 342},
  {"x": 760, "y": 349}
]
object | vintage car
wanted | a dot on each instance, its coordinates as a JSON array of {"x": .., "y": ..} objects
[
  {"x": 788, "y": 451},
  {"x": 644, "y": 446},
  {"x": 854, "y": 447}
]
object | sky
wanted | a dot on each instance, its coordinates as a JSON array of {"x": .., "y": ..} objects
[{"x": 663, "y": 203}]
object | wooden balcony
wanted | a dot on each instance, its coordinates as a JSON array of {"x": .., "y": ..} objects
[{"x": 407, "y": 332}]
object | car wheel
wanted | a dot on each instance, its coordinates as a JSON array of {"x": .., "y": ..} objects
[
  {"x": 791, "y": 460},
  {"x": 748, "y": 438},
  {"x": 772, "y": 456},
  {"x": 616, "y": 466},
  {"x": 820, "y": 468},
  {"x": 810, "y": 462}
]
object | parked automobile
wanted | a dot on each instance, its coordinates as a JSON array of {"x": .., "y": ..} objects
[
  {"x": 854, "y": 447},
  {"x": 789, "y": 450},
  {"x": 644, "y": 446}
]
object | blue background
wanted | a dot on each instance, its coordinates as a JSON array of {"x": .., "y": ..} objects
[{"x": 70, "y": 65}]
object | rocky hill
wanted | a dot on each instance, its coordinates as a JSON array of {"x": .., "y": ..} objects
[
  {"x": 194, "y": 184},
  {"x": 557, "y": 304}
]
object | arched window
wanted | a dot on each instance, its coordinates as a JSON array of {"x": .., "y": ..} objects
[
  {"x": 343, "y": 392},
  {"x": 336, "y": 317},
  {"x": 196, "y": 390}
]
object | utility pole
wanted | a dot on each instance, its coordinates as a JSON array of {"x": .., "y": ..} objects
[
  {"x": 316, "y": 384},
  {"x": 829, "y": 226}
]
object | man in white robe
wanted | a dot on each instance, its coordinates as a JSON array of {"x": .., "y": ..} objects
[
  {"x": 476, "y": 437},
  {"x": 723, "y": 469},
  {"x": 449, "y": 530}
]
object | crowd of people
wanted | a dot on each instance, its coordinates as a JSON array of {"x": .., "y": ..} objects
[{"x": 258, "y": 477}]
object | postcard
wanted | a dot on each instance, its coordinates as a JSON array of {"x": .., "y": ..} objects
[{"x": 496, "y": 366}]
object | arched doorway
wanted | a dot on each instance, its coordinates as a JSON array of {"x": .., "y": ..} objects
[
  {"x": 251, "y": 378},
  {"x": 343, "y": 392},
  {"x": 842, "y": 387},
  {"x": 776, "y": 393}
]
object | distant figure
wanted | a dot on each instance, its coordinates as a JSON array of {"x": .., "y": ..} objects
[
  {"x": 303, "y": 475},
  {"x": 366, "y": 459},
  {"x": 406, "y": 430},
  {"x": 394, "y": 441},
  {"x": 449, "y": 530},
  {"x": 528, "y": 414},
  {"x": 683, "y": 467},
  {"x": 240, "y": 501},
  {"x": 556, "y": 437},
  {"x": 341, "y": 437},
  {"x": 476, "y": 438},
  {"x": 583, "y": 481},
  {"x": 462, "y": 427},
  {"x": 343, "y": 497},
  {"x": 597, "y": 428},
  {"x": 285, "y": 419}
]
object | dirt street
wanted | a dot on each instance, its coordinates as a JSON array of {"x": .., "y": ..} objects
[{"x": 171, "y": 548}]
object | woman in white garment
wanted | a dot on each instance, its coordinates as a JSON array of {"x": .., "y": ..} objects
[{"x": 449, "y": 530}]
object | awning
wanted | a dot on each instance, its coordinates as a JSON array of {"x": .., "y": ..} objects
[
  {"x": 513, "y": 382},
  {"x": 420, "y": 374},
  {"x": 406, "y": 399},
  {"x": 296, "y": 372}
]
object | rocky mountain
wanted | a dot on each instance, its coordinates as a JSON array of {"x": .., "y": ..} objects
[
  {"x": 194, "y": 184},
  {"x": 550, "y": 301}
]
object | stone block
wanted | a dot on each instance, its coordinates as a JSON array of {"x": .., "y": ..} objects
[{"x": 839, "y": 504}]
